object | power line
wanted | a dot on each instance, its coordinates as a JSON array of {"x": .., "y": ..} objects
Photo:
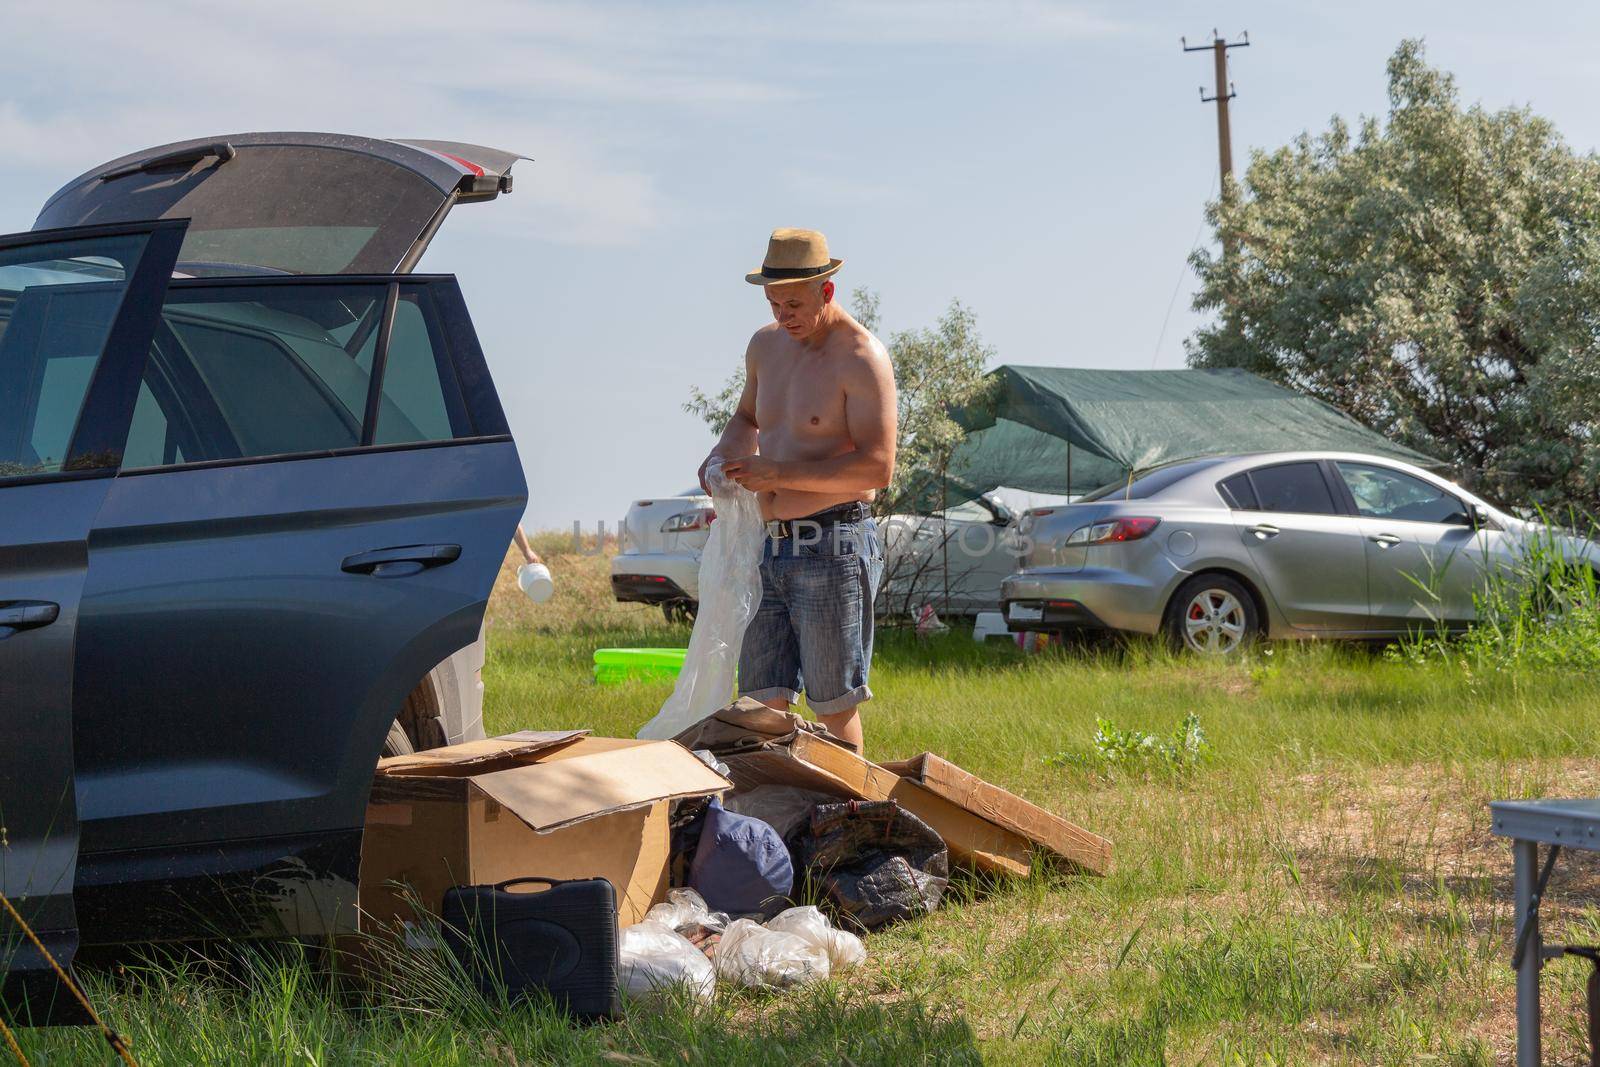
[{"x": 1178, "y": 285}]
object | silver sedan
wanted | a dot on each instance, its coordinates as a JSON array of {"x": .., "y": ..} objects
[{"x": 1216, "y": 553}]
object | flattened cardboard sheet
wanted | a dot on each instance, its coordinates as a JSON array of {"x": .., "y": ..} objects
[
  {"x": 972, "y": 840},
  {"x": 598, "y": 776},
  {"x": 1049, "y": 831},
  {"x": 471, "y": 757}
]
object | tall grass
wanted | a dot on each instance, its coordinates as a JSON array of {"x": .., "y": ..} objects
[
  {"x": 282, "y": 1004},
  {"x": 1540, "y": 611}
]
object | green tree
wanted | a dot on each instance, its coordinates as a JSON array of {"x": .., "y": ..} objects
[
  {"x": 1436, "y": 276},
  {"x": 936, "y": 371}
]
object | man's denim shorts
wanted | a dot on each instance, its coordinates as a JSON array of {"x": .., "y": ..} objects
[{"x": 813, "y": 630}]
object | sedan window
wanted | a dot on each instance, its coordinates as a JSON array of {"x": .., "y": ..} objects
[
  {"x": 1238, "y": 493},
  {"x": 1385, "y": 493},
  {"x": 1297, "y": 488}
]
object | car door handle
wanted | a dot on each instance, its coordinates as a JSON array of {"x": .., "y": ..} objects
[
  {"x": 26, "y": 615},
  {"x": 400, "y": 561},
  {"x": 1384, "y": 540},
  {"x": 1264, "y": 531}
]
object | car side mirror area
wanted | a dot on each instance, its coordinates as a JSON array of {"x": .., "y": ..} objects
[{"x": 1480, "y": 519}]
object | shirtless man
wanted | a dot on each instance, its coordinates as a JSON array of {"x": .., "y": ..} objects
[{"x": 813, "y": 437}]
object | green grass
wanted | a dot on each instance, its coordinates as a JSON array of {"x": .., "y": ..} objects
[{"x": 1322, "y": 888}]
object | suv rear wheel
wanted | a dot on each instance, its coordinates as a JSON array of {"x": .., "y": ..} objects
[
  {"x": 446, "y": 707},
  {"x": 1212, "y": 615}
]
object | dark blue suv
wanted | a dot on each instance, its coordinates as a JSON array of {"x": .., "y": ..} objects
[{"x": 255, "y": 482}]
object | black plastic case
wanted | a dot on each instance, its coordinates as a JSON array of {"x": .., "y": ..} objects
[{"x": 562, "y": 941}]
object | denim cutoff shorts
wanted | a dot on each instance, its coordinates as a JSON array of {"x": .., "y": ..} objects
[{"x": 813, "y": 631}]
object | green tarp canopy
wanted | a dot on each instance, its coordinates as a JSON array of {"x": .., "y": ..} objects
[{"x": 1065, "y": 430}]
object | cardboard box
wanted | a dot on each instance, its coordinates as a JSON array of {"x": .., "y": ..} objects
[
  {"x": 811, "y": 762},
  {"x": 1084, "y": 849},
  {"x": 972, "y": 840},
  {"x": 557, "y": 805},
  {"x": 984, "y": 826}
]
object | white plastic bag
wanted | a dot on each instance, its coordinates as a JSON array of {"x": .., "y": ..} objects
[
  {"x": 751, "y": 955},
  {"x": 730, "y": 593},
  {"x": 685, "y": 907},
  {"x": 843, "y": 948},
  {"x": 656, "y": 957}
]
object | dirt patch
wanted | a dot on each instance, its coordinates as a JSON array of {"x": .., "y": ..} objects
[{"x": 1418, "y": 829}]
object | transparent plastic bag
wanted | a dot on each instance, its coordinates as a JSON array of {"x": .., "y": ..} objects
[
  {"x": 655, "y": 957},
  {"x": 730, "y": 593},
  {"x": 844, "y": 949},
  {"x": 685, "y": 907},
  {"x": 753, "y": 956}
]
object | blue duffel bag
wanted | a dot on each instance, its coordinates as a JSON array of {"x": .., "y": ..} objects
[{"x": 741, "y": 865}]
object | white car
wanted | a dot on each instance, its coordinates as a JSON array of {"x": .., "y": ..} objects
[
  {"x": 954, "y": 560},
  {"x": 658, "y": 555}
]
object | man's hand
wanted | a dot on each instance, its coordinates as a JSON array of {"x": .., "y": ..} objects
[{"x": 756, "y": 473}]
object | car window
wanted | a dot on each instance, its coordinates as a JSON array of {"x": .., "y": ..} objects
[
  {"x": 1149, "y": 483},
  {"x": 57, "y": 305},
  {"x": 1385, "y": 493},
  {"x": 246, "y": 371},
  {"x": 1299, "y": 488},
  {"x": 421, "y": 399},
  {"x": 1238, "y": 493}
]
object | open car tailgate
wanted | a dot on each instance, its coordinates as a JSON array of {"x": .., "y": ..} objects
[{"x": 299, "y": 203}]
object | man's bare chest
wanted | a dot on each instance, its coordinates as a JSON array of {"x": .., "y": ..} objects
[{"x": 802, "y": 396}]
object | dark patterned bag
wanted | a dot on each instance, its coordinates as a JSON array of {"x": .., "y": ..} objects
[{"x": 872, "y": 861}]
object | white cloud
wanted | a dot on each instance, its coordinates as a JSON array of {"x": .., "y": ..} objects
[
  {"x": 1011, "y": 23},
  {"x": 84, "y": 86},
  {"x": 380, "y": 70}
]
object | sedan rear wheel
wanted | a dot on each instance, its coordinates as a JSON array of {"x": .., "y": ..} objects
[
  {"x": 1212, "y": 615},
  {"x": 679, "y": 610}
]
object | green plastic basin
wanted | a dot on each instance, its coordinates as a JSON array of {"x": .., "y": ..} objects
[{"x": 613, "y": 665}]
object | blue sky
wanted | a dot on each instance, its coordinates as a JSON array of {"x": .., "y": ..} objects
[{"x": 1045, "y": 163}]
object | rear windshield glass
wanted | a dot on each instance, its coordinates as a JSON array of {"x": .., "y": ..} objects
[
  {"x": 298, "y": 209},
  {"x": 1150, "y": 483}
]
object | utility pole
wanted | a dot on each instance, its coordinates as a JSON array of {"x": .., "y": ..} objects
[{"x": 1223, "y": 93}]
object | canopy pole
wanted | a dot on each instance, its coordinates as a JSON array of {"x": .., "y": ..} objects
[{"x": 1069, "y": 468}]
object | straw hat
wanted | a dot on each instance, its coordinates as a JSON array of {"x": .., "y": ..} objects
[{"x": 794, "y": 256}]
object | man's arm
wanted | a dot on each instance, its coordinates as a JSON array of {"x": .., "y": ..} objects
[
  {"x": 740, "y": 435},
  {"x": 869, "y": 411}
]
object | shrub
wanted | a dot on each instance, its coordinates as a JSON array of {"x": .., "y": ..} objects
[
  {"x": 1543, "y": 611},
  {"x": 1135, "y": 751}
]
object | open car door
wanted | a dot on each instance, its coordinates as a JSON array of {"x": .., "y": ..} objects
[
  {"x": 297, "y": 203},
  {"x": 315, "y": 497},
  {"x": 77, "y": 312}
]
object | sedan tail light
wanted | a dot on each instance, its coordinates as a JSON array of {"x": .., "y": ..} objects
[
  {"x": 694, "y": 519},
  {"x": 1105, "y": 533}
]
